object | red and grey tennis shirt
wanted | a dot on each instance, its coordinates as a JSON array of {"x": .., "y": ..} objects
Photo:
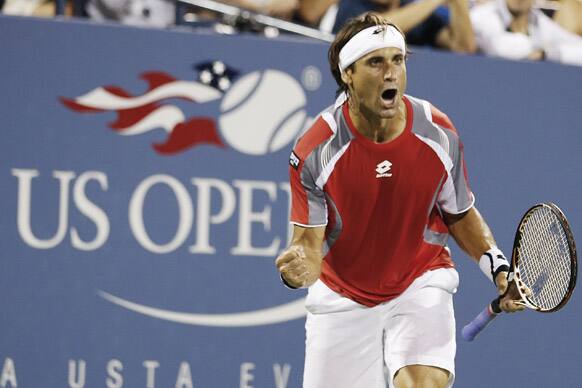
[{"x": 381, "y": 203}]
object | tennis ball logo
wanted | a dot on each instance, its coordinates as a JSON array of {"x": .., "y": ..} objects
[{"x": 262, "y": 112}]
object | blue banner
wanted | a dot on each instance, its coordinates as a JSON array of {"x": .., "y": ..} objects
[{"x": 144, "y": 197}]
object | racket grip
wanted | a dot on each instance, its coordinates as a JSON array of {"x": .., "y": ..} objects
[{"x": 480, "y": 322}]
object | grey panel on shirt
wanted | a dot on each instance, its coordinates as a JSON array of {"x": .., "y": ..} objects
[
  {"x": 333, "y": 234},
  {"x": 463, "y": 193},
  {"x": 315, "y": 196},
  {"x": 341, "y": 137},
  {"x": 317, "y": 160},
  {"x": 436, "y": 238},
  {"x": 451, "y": 143}
]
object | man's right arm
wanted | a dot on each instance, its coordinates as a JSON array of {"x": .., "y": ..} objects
[
  {"x": 458, "y": 36},
  {"x": 300, "y": 263},
  {"x": 411, "y": 15}
]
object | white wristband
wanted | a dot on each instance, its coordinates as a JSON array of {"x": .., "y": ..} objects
[{"x": 492, "y": 262}]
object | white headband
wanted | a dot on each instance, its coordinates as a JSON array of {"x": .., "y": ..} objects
[{"x": 368, "y": 40}]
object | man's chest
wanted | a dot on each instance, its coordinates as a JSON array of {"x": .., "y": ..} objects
[{"x": 412, "y": 171}]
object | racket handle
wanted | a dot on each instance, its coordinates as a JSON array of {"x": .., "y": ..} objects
[{"x": 480, "y": 322}]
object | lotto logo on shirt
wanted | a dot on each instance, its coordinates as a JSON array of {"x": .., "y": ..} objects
[{"x": 383, "y": 169}]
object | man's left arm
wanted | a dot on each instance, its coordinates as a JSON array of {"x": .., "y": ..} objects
[
  {"x": 458, "y": 36},
  {"x": 474, "y": 236}
]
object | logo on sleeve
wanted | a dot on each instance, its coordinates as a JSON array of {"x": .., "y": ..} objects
[
  {"x": 383, "y": 169},
  {"x": 294, "y": 160}
]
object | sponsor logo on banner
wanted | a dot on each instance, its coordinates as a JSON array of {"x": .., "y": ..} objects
[
  {"x": 260, "y": 112},
  {"x": 272, "y": 100}
]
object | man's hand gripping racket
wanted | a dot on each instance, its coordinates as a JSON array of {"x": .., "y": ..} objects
[{"x": 543, "y": 270}]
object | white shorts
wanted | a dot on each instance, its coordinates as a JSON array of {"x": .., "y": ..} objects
[{"x": 349, "y": 345}]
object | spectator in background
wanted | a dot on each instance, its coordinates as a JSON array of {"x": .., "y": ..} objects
[
  {"x": 311, "y": 12},
  {"x": 20, "y": 7},
  {"x": 152, "y": 13},
  {"x": 282, "y": 9},
  {"x": 40, "y": 8},
  {"x": 569, "y": 16},
  {"x": 425, "y": 22},
  {"x": 513, "y": 29}
]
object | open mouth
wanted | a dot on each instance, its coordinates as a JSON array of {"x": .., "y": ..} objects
[{"x": 388, "y": 95}]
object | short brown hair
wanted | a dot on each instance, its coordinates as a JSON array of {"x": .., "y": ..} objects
[{"x": 347, "y": 32}]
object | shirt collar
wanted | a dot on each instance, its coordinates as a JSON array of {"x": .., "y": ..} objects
[
  {"x": 504, "y": 12},
  {"x": 506, "y": 15}
]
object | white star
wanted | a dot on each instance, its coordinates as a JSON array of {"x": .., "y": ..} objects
[
  {"x": 223, "y": 83},
  {"x": 218, "y": 68},
  {"x": 206, "y": 76}
]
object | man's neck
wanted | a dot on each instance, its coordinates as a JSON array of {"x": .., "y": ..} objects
[
  {"x": 378, "y": 130},
  {"x": 520, "y": 23}
]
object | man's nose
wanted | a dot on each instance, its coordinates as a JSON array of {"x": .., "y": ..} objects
[{"x": 388, "y": 72}]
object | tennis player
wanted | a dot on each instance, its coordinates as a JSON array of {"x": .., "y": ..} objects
[{"x": 378, "y": 183}]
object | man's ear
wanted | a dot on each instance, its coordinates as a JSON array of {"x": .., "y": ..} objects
[{"x": 347, "y": 77}]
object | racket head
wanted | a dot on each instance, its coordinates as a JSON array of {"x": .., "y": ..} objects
[{"x": 544, "y": 258}]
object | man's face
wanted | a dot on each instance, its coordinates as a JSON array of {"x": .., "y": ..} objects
[
  {"x": 377, "y": 82},
  {"x": 518, "y": 7}
]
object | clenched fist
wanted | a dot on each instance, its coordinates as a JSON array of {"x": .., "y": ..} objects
[{"x": 299, "y": 267}]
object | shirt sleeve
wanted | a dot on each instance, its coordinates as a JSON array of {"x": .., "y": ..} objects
[
  {"x": 308, "y": 205},
  {"x": 560, "y": 45},
  {"x": 461, "y": 198},
  {"x": 455, "y": 196},
  {"x": 506, "y": 45}
]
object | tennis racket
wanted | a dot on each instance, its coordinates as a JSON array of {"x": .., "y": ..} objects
[{"x": 543, "y": 265}]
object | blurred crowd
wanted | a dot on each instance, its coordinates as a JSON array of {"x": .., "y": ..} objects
[{"x": 514, "y": 29}]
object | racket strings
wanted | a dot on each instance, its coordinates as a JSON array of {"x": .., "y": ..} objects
[{"x": 544, "y": 258}]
